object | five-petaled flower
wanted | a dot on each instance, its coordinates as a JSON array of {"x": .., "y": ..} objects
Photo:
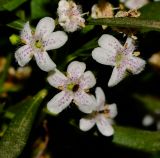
[
  {"x": 70, "y": 15},
  {"x": 111, "y": 52},
  {"x": 74, "y": 87},
  {"x": 38, "y": 42},
  {"x": 101, "y": 116}
]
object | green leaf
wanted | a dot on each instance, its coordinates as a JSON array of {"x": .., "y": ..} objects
[
  {"x": 10, "y": 4},
  {"x": 142, "y": 140},
  {"x": 149, "y": 102},
  {"x": 16, "y": 136},
  {"x": 39, "y": 8},
  {"x": 150, "y": 25},
  {"x": 18, "y": 24},
  {"x": 150, "y": 11}
]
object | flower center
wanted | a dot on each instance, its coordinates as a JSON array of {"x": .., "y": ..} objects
[
  {"x": 38, "y": 44},
  {"x": 73, "y": 87},
  {"x": 119, "y": 58}
]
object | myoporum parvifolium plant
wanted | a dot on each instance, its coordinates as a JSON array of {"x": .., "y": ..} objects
[{"x": 79, "y": 78}]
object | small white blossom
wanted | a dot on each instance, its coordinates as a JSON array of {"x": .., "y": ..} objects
[
  {"x": 70, "y": 15},
  {"x": 112, "y": 53},
  {"x": 101, "y": 116},
  {"x": 38, "y": 42},
  {"x": 74, "y": 87},
  {"x": 134, "y": 4}
]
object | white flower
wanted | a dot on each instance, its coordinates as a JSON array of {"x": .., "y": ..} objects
[
  {"x": 70, "y": 15},
  {"x": 111, "y": 52},
  {"x": 74, "y": 87},
  {"x": 134, "y": 4},
  {"x": 38, "y": 42},
  {"x": 102, "y": 116}
]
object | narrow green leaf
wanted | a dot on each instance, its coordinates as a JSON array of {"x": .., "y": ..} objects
[
  {"x": 18, "y": 24},
  {"x": 146, "y": 141},
  {"x": 16, "y": 136},
  {"x": 149, "y": 102},
  {"x": 126, "y": 22},
  {"x": 12, "y": 4}
]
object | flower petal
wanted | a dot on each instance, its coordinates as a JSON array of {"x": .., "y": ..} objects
[
  {"x": 104, "y": 126},
  {"x": 44, "y": 61},
  {"x": 118, "y": 74},
  {"x": 88, "y": 80},
  {"x": 136, "y": 65},
  {"x": 129, "y": 46},
  {"x": 23, "y": 55},
  {"x": 76, "y": 69},
  {"x": 59, "y": 102},
  {"x": 86, "y": 124},
  {"x": 26, "y": 34},
  {"x": 84, "y": 101},
  {"x": 45, "y": 27},
  {"x": 109, "y": 42},
  {"x": 55, "y": 40},
  {"x": 100, "y": 97},
  {"x": 104, "y": 56},
  {"x": 135, "y": 4},
  {"x": 112, "y": 110},
  {"x": 57, "y": 79}
]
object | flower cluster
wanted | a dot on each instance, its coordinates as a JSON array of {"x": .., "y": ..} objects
[{"x": 76, "y": 83}]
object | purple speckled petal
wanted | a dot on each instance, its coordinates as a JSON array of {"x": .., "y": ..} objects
[
  {"x": 76, "y": 69},
  {"x": 104, "y": 56},
  {"x": 59, "y": 102},
  {"x": 118, "y": 74},
  {"x": 135, "y": 65},
  {"x": 85, "y": 102},
  {"x": 23, "y": 55},
  {"x": 88, "y": 80},
  {"x": 129, "y": 46},
  {"x": 104, "y": 125},
  {"x": 44, "y": 61},
  {"x": 55, "y": 40},
  {"x": 45, "y": 27},
  {"x": 86, "y": 124},
  {"x": 109, "y": 42},
  {"x": 57, "y": 79},
  {"x": 26, "y": 35}
]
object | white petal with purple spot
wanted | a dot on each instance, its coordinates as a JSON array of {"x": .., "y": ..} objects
[
  {"x": 135, "y": 65},
  {"x": 57, "y": 79},
  {"x": 88, "y": 80},
  {"x": 109, "y": 42},
  {"x": 23, "y": 55},
  {"x": 104, "y": 126},
  {"x": 45, "y": 27},
  {"x": 55, "y": 40},
  {"x": 76, "y": 69},
  {"x": 85, "y": 102},
  {"x": 86, "y": 124},
  {"x": 44, "y": 61},
  {"x": 59, "y": 102},
  {"x": 104, "y": 56},
  {"x": 118, "y": 74},
  {"x": 26, "y": 35}
]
